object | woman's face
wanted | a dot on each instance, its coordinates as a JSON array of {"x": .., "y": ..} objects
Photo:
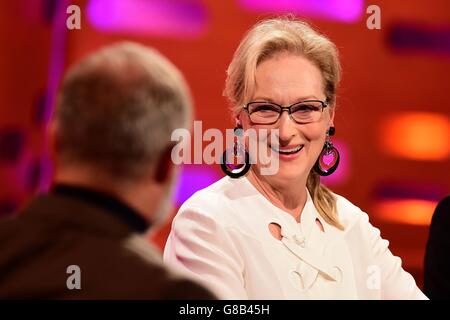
[{"x": 286, "y": 79}]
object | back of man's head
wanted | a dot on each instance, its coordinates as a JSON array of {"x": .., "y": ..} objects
[{"x": 116, "y": 111}]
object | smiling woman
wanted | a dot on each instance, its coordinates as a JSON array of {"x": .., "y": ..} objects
[{"x": 285, "y": 235}]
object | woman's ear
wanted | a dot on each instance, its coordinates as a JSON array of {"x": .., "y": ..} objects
[{"x": 331, "y": 124}]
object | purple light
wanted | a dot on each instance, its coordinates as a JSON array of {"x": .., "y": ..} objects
[
  {"x": 55, "y": 72},
  {"x": 157, "y": 17},
  {"x": 426, "y": 38},
  {"x": 192, "y": 179},
  {"x": 340, "y": 10},
  {"x": 392, "y": 190},
  {"x": 342, "y": 171}
]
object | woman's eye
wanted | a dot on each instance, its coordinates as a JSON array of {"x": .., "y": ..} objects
[
  {"x": 265, "y": 108},
  {"x": 305, "y": 108}
]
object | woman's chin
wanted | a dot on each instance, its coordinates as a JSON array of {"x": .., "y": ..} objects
[{"x": 289, "y": 175}]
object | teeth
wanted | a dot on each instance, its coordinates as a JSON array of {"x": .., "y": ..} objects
[{"x": 287, "y": 151}]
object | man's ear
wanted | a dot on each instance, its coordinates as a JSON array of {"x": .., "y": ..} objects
[{"x": 164, "y": 165}]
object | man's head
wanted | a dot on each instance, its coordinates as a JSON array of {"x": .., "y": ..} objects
[{"x": 115, "y": 113}]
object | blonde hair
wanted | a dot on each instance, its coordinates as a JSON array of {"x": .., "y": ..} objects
[{"x": 266, "y": 39}]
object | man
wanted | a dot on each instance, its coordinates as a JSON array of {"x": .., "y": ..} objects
[
  {"x": 437, "y": 254},
  {"x": 110, "y": 137}
]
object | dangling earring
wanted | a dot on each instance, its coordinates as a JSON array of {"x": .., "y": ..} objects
[
  {"x": 241, "y": 168},
  {"x": 328, "y": 160}
]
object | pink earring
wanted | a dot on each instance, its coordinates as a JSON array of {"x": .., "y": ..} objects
[{"x": 328, "y": 160}]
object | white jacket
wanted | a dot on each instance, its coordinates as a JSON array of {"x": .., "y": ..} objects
[{"x": 220, "y": 236}]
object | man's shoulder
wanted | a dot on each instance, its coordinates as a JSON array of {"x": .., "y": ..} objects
[
  {"x": 135, "y": 270},
  {"x": 157, "y": 281},
  {"x": 441, "y": 214},
  {"x": 37, "y": 251}
]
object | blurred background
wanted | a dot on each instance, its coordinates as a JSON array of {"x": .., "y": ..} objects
[{"x": 393, "y": 116}]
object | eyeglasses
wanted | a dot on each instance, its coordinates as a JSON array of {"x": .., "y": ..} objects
[{"x": 262, "y": 112}]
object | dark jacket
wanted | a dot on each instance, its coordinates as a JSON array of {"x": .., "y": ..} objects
[
  {"x": 98, "y": 235},
  {"x": 437, "y": 255}
]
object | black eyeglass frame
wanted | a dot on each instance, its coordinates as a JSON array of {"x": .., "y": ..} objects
[{"x": 288, "y": 109}]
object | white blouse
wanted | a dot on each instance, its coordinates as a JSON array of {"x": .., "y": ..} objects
[{"x": 221, "y": 237}]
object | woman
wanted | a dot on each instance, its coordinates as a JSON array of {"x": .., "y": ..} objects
[{"x": 285, "y": 235}]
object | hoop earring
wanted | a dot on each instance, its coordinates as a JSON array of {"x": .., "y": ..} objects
[
  {"x": 238, "y": 151},
  {"x": 328, "y": 160}
]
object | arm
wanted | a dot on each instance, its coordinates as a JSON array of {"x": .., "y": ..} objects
[
  {"x": 396, "y": 283},
  {"x": 201, "y": 248}
]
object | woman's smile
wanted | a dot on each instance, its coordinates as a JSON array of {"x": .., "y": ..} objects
[{"x": 288, "y": 152}]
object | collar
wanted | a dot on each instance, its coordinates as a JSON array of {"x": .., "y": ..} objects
[
  {"x": 105, "y": 201},
  {"x": 308, "y": 215}
]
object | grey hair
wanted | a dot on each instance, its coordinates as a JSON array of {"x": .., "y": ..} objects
[{"x": 117, "y": 108}]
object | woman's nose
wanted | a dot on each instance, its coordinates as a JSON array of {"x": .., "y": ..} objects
[{"x": 286, "y": 126}]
